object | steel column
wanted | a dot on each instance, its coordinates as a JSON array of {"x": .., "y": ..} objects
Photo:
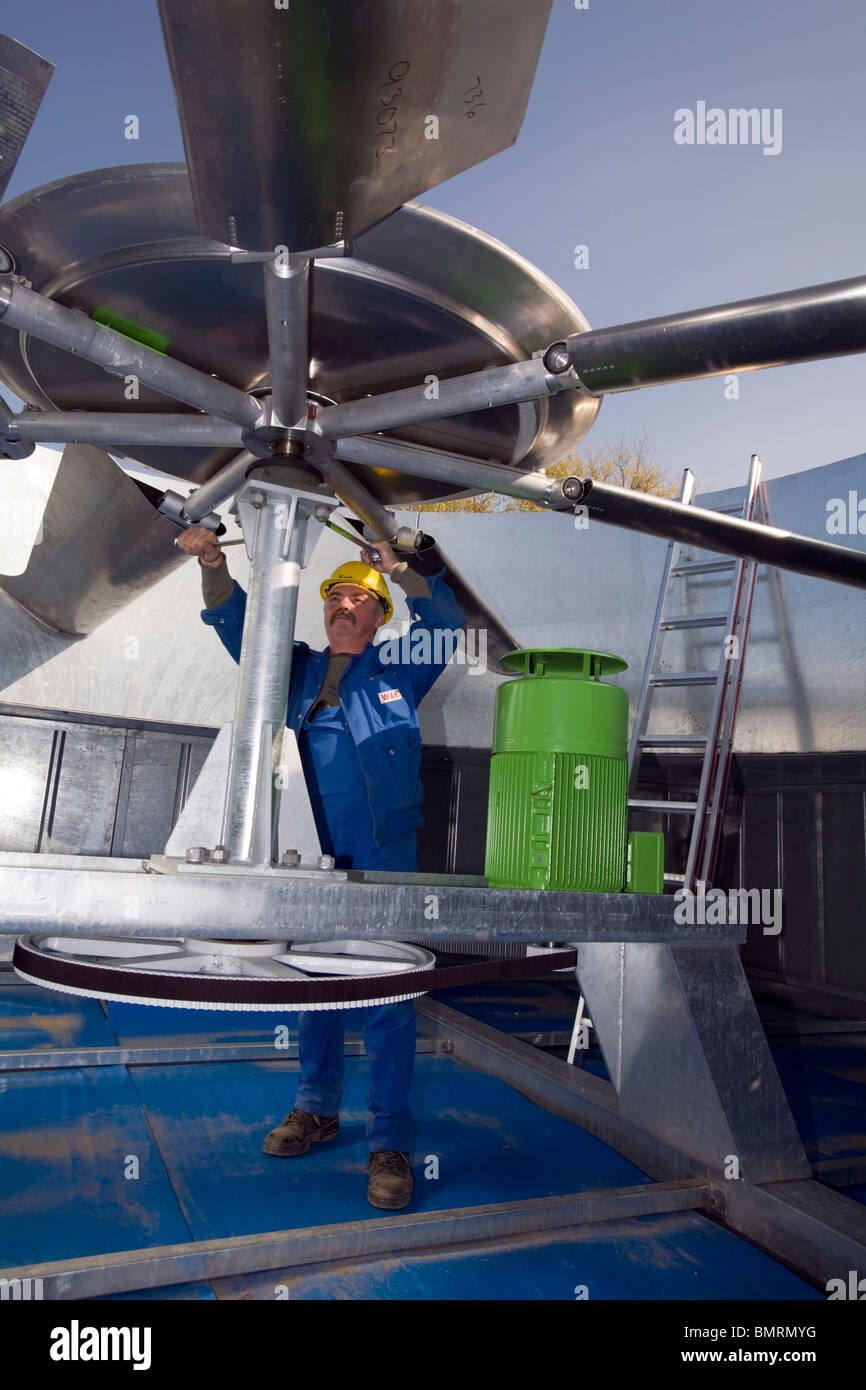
[
  {"x": 685, "y": 1049},
  {"x": 277, "y": 545}
]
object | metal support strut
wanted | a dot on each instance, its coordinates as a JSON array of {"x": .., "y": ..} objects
[{"x": 276, "y": 527}]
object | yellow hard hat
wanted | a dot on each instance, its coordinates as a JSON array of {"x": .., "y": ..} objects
[{"x": 356, "y": 572}]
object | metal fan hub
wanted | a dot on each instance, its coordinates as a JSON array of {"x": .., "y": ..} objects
[{"x": 421, "y": 296}]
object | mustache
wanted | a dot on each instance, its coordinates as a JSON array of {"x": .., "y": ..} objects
[{"x": 343, "y": 613}]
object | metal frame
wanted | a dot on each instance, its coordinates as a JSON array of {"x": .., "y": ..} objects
[
  {"x": 801, "y": 325},
  {"x": 83, "y": 895},
  {"x": 635, "y": 966},
  {"x": 817, "y": 1232},
  {"x": 52, "y": 1058},
  {"x": 95, "y": 1276}
]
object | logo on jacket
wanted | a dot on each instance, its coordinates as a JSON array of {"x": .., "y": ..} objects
[{"x": 386, "y": 696}]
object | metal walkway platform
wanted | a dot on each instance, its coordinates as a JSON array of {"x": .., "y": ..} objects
[{"x": 130, "y": 1147}]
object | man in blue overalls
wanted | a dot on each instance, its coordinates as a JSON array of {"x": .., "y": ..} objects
[{"x": 355, "y": 714}]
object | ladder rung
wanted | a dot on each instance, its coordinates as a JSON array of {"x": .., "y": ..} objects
[
  {"x": 697, "y": 620},
  {"x": 674, "y": 807},
  {"x": 703, "y": 566},
  {"x": 675, "y": 878},
  {"x": 683, "y": 678},
  {"x": 673, "y": 740},
  {"x": 729, "y": 511}
]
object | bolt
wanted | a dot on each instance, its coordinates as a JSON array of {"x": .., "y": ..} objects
[
  {"x": 572, "y": 488},
  {"x": 291, "y": 859},
  {"x": 220, "y": 855},
  {"x": 257, "y": 500},
  {"x": 556, "y": 358},
  {"x": 717, "y": 1200},
  {"x": 326, "y": 861},
  {"x": 197, "y": 855}
]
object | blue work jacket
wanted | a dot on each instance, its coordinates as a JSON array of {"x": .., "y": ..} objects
[{"x": 380, "y": 691}]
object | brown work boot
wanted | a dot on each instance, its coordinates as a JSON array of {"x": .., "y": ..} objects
[
  {"x": 298, "y": 1131},
  {"x": 391, "y": 1181}
]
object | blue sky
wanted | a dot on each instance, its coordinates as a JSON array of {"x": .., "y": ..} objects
[{"x": 668, "y": 226}]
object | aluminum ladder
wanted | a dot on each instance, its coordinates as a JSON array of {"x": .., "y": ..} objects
[{"x": 717, "y": 742}]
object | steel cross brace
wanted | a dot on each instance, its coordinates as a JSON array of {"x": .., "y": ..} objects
[{"x": 795, "y": 326}]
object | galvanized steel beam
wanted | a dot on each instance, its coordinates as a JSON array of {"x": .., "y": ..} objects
[
  {"x": 52, "y": 1058},
  {"x": 123, "y": 1271},
  {"x": 122, "y": 897}
]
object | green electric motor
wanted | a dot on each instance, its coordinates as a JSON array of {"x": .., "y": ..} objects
[{"x": 559, "y": 774}]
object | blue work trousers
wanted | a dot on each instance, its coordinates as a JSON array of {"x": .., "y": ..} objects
[{"x": 345, "y": 826}]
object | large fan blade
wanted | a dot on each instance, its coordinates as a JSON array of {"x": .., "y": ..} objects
[
  {"x": 102, "y": 544},
  {"x": 23, "y": 79},
  {"x": 306, "y": 123}
]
